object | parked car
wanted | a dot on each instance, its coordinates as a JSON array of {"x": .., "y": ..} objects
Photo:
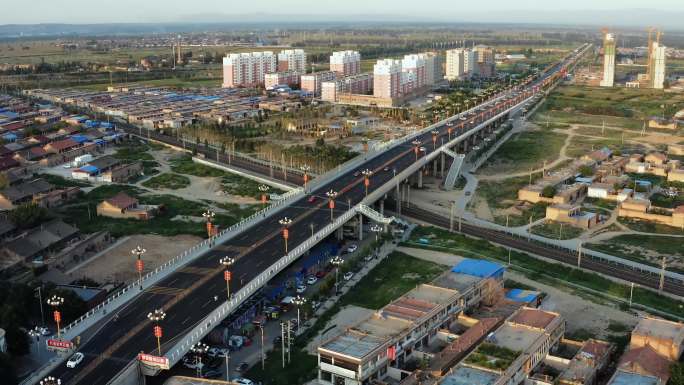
[
  {"x": 301, "y": 289},
  {"x": 368, "y": 258},
  {"x": 311, "y": 280},
  {"x": 352, "y": 248},
  {"x": 242, "y": 367},
  {"x": 243, "y": 381},
  {"x": 213, "y": 352},
  {"x": 348, "y": 275},
  {"x": 76, "y": 359},
  {"x": 277, "y": 341},
  {"x": 386, "y": 169},
  {"x": 312, "y": 199},
  {"x": 321, "y": 273},
  {"x": 212, "y": 373}
]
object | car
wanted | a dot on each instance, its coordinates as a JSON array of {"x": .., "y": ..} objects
[
  {"x": 352, "y": 248},
  {"x": 76, "y": 359},
  {"x": 321, "y": 274},
  {"x": 212, "y": 373},
  {"x": 278, "y": 340},
  {"x": 386, "y": 169},
  {"x": 242, "y": 367},
  {"x": 348, "y": 275},
  {"x": 422, "y": 149},
  {"x": 312, "y": 199},
  {"x": 368, "y": 258},
  {"x": 301, "y": 289},
  {"x": 311, "y": 280},
  {"x": 213, "y": 352},
  {"x": 467, "y": 193},
  {"x": 315, "y": 305},
  {"x": 357, "y": 173},
  {"x": 243, "y": 381},
  {"x": 193, "y": 365}
]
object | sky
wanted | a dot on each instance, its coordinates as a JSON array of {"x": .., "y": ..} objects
[{"x": 152, "y": 11}]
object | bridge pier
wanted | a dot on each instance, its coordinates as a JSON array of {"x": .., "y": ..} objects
[
  {"x": 420, "y": 178},
  {"x": 382, "y": 206},
  {"x": 360, "y": 227},
  {"x": 397, "y": 196}
]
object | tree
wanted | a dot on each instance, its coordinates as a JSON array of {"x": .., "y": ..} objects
[
  {"x": 28, "y": 215},
  {"x": 549, "y": 191},
  {"x": 676, "y": 374},
  {"x": 586, "y": 170},
  {"x": 4, "y": 182},
  {"x": 7, "y": 372}
]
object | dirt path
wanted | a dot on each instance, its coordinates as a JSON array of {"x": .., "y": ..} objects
[{"x": 574, "y": 309}]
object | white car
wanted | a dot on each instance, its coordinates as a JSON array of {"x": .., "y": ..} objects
[
  {"x": 75, "y": 360},
  {"x": 301, "y": 289},
  {"x": 348, "y": 275},
  {"x": 352, "y": 248},
  {"x": 311, "y": 280},
  {"x": 243, "y": 381},
  {"x": 214, "y": 352}
]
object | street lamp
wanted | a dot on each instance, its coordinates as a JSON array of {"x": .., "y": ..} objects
[
  {"x": 199, "y": 349},
  {"x": 416, "y": 146},
  {"x": 55, "y": 302},
  {"x": 49, "y": 380},
  {"x": 298, "y": 301},
  {"x": 286, "y": 232},
  {"x": 376, "y": 228},
  {"x": 209, "y": 216},
  {"x": 337, "y": 261},
  {"x": 35, "y": 332},
  {"x": 139, "y": 264},
  {"x": 434, "y": 133},
  {"x": 332, "y": 194},
  {"x": 156, "y": 317},
  {"x": 305, "y": 168},
  {"x": 366, "y": 180},
  {"x": 264, "y": 198},
  {"x": 227, "y": 262}
]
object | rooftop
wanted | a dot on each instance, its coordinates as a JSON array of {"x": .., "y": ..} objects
[
  {"x": 456, "y": 281},
  {"x": 465, "y": 375},
  {"x": 660, "y": 328},
  {"x": 625, "y": 378},
  {"x": 534, "y": 318},
  {"x": 515, "y": 337}
]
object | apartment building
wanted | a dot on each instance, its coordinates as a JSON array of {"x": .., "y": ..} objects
[
  {"x": 413, "y": 70},
  {"x": 311, "y": 83},
  {"x": 658, "y": 65},
  {"x": 247, "y": 69},
  {"x": 433, "y": 67},
  {"x": 387, "y": 78},
  {"x": 378, "y": 346},
  {"x": 608, "y": 60},
  {"x": 356, "y": 84},
  {"x": 345, "y": 63},
  {"x": 455, "y": 66},
  {"x": 292, "y": 60},
  {"x": 484, "y": 61},
  {"x": 286, "y": 78}
]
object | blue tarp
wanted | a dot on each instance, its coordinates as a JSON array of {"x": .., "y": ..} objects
[
  {"x": 79, "y": 138},
  {"x": 479, "y": 268},
  {"x": 99, "y": 142},
  {"x": 90, "y": 169},
  {"x": 519, "y": 295},
  {"x": 10, "y": 137}
]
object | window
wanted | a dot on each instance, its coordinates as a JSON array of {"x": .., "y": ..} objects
[{"x": 326, "y": 376}]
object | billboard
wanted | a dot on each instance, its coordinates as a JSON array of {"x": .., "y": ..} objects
[
  {"x": 59, "y": 344},
  {"x": 156, "y": 361}
]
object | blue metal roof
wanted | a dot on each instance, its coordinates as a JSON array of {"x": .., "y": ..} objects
[
  {"x": 90, "y": 169},
  {"x": 479, "y": 268},
  {"x": 79, "y": 138},
  {"x": 519, "y": 295}
]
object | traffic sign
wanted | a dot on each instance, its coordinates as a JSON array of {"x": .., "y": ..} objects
[{"x": 156, "y": 361}]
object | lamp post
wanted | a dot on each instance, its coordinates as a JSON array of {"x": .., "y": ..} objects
[
  {"x": 227, "y": 275},
  {"x": 199, "y": 349},
  {"x": 305, "y": 168},
  {"x": 416, "y": 146},
  {"x": 49, "y": 380},
  {"x": 366, "y": 180},
  {"x": 55, "y": 302},
  {"x": 139, "y": 264},
  {"x": 298, "y": 301},
  {"x": 434, "y": 133},
  {"x": 376, "y": 228},
  {"x": 332, "y": 194},
  {"x": 337, "y": 261},
  {"x": 264, "y": 197},
  {"x": 209, "y": 216},
  {"x": 156, "y": 317},
  {"x": 286, "y": 232}
]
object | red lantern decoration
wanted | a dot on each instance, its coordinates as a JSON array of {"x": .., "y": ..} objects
[
  {"x": 58, "y": 316},
  {"x": 158, "y": 331},
  {"x": 286, "y": 233},
  {"x": 139, "y": 265},
  {"x": 331, "y": 204},
  {"x": 227, "y": 275}
]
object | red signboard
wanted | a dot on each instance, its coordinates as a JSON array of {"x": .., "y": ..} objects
[
  {"x": 159, "y": 362},
  {"x": 227, "y": 275},
  {"x": 391, "y": 353},
  {"x": 59, "y": 344}
]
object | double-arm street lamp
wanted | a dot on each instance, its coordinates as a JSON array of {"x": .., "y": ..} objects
[
  {"x": 376, "y": 228},
  {"x": 227, "y": 275},
  {"x": 416, "y": 147},
  {"x": 139, "y": 264},
  {"x": 298, "y": 301},
  {"x": 434, "y": 133},
  {"x": 285, "y": 222},
  {"x": 264, "y": 197},
  {"x": 49, "y": 380},
  {"x": 56, "y": 301},
  {"x": 366, "y": 178},
  {"x": 209, "y": 216},
  {"x": 199, "y": 349},
  {"x": 156, "y": 317}
]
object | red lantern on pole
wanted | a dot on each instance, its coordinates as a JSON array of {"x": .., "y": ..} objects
[
  {"x": 158, "y": 331},
  {"x": 366, "y": 182},
  {"x": 306, "y": 178},
  {"x": 286, "y": 233},
  {"x": 263, "y": 198},
  {"x": 58, "y": 316},
  {"x": 331, "y": 204},
  {"x": 227, "y": 275},
  {"x": 139, "y": 265}
]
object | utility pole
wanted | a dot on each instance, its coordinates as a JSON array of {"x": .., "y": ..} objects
[
  {"x": 579, "y": 255},
  {"x": 282, "y": 341},
  {"x": 631, "y": 292},
  {"x": 289, "y": 339},
  {"x": 661, "y": 284},
  {"x": 451, "y": 217}
]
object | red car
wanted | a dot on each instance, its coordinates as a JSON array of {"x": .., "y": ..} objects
[
  {"x": 321, "y": 274},
  {"x": 312, "y": 199}
]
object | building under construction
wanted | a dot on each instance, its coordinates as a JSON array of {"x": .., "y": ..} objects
[{"x": 608, "y": 59}]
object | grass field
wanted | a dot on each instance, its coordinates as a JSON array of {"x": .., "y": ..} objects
[
  {"x": 649, "y": 227},
  {"x": 635, "y": 247},
  {"x": 169, "y": 181},
  {"x": 557, "y": 230},
  {"x": 523, "y": 152}
]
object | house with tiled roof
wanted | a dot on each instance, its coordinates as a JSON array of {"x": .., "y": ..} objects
[{"x": 125, "y": 206}]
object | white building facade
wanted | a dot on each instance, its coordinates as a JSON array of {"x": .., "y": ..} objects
[{"x": 247, "y": 69}]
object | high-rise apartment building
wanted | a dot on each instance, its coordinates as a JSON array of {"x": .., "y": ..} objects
[
  {"x": 608, "y": 60},
  {"x": 387, "y": 78},
  {"x": 658, "y": 58},
  {"x": 345, "y": 63},
  {"x": 292, "y": 60},
  {"x": 455, "y": 65},
  {"x": 433, "y": 67},
  {"x": 484, "y": 61},
  {"x": 413, "y": 69},
  {"x": 469, "y": 60},
  {"x": 312, "y": 82},
  {"x": 247, "y": 69}
]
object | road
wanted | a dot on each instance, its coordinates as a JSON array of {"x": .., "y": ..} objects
[
  {"x": 546, "y": 251},
  {"x": 187, "y": 296}
]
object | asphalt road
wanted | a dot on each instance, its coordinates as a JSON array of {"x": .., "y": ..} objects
[{"x": 187, "y": 296}]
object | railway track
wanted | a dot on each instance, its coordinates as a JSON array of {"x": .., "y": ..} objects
[{"x": 588, "y": 262}]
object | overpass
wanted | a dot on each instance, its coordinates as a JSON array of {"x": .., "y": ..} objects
[{"x": 186, "y": 286}]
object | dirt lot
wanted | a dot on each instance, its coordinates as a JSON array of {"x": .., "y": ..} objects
[
  {"x": 578, "y": 312},
  {"x": 118, "y": 264}
]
